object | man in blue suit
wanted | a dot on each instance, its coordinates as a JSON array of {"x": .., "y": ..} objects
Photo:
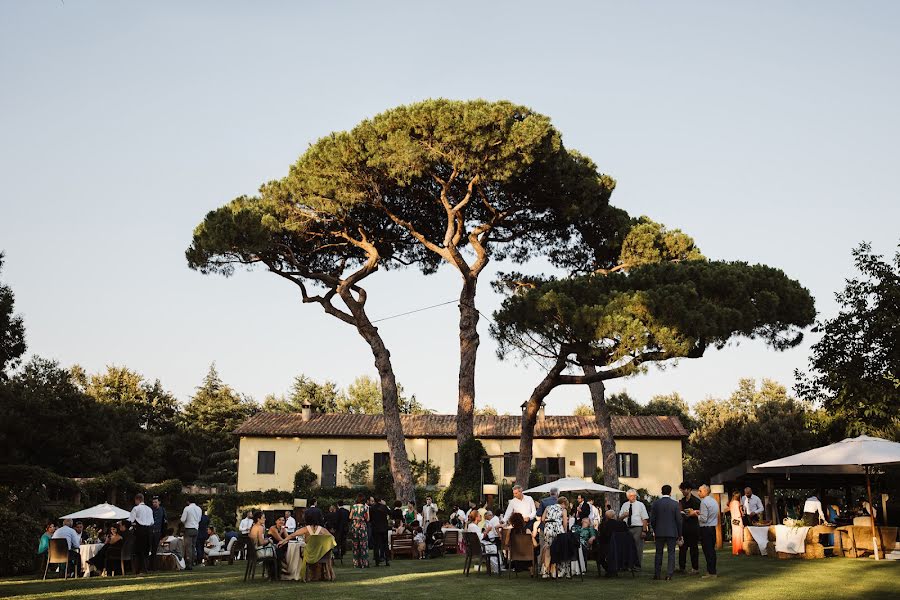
[{"x": 666, "y": 521}]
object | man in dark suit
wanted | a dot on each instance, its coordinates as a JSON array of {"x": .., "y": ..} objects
[
  {"x": 666, "y": 521},
  {"x": 690, "y": 508},
  {"x": 379, "y": 517},
  {"x": 550, "y": 500},
  {"x": 343, "y": 525},
  {"x": 313, "y": 514}
]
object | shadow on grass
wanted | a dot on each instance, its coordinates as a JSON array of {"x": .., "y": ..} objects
[{"x": 741, "y": 577}]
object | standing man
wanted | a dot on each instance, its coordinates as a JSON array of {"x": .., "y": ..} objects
[
  {"x": 343, "y": 525},
  {"x": 520, "y": 503},
  {"x": 635, "y": 515},
  {"x": 190, "y": 519},
  {"x": 690, "y": 510},
  {"x": 379, "y": 518},
  {"x": 595, "y": 513},
  {"x": 160, "y": 522},
  {"x": 550, "y": 500},
  {"x": 290, "y": 523},
  {"x": 313, "y": 513},
  {"x": 753, "y": 507},
  {"x": 708, "y": 519},
  {"x": 202, "y": 534},
  {"x": 666, "y": 520},
  {"x": 142, "y": 518},
  {"x": 429, "y": 511},
  {"x": 246, "y": 523}
]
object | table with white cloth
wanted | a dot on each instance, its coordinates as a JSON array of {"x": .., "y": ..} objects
[
  {"x": 88, "y": 551},
  {"x": 790, "y": 540},
  {"x": 760, "y": 535},
  {"x": 294, "y": 559}
]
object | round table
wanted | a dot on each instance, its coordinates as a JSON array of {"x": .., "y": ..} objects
[
  {"x": 294, "y": 559},
  {"x": 88, "y": 551}
]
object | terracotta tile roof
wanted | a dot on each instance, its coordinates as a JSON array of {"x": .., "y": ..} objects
[{"x": 444, "y": 426}]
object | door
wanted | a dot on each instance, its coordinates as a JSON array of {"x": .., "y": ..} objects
[{"x": 329, "y": 471}]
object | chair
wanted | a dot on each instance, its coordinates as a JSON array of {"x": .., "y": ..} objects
[
  {"x": 121, "y": 553},
  {"x": 521, "y": 549},
  {"x": 323, "y": 569},
  {"x": 451, "y": 541},
  {"x": 475, "y": 549},
  {"x": 402, "y": 544},
  {"x": 567, "y": 547},
  {"x": 253, "y": 560},
  {"x": 58, "y": 554},
  {"x": 226, "y": 552}
]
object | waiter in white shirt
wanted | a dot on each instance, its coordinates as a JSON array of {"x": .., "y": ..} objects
[
  {"x": 634, "y": 513},
  {"x": 246, "y": 523},
  {"x": 812, "y": 512},
  {"x": 290, "y": 523},
  {"x": 142, "y": 517},
  {"x": 190, "y": 517},
  {"x": 429, "y": 511},
  {"x": 522, "y": 504},
  {"x": 753, "y": 507}
]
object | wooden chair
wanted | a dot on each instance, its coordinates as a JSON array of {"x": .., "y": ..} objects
[
  {"x": 451, "y": 542},
  {"x": 521, "y": 549},
  {"x": 121, "y": 553},
  {"x": 474, "y": 549},
  {"x": 253, "y": 560},
  {"x": 402, "y": 545},
  {"x": 58, "y": 554}
]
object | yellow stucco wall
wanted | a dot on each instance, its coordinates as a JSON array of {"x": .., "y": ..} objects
[{"x": 659, "y": 459}]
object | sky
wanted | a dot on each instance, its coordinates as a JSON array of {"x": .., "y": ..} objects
[{"x": 768, "y": 131}]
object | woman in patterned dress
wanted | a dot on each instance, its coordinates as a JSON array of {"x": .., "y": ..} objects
[
  {"x": 555, "y": 519},
  {"x": 359, "y": 537}
]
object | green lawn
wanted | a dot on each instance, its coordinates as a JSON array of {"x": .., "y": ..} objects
[{"x": 742, "y": 577}]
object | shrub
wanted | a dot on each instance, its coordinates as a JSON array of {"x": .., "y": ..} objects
[
  {"x": 384, "y": 482},
  {"x": 19, "y": 534},
  {"x": 303, "y": 481},
  {"x": 425, "y": 472},
  {"x": 466, "y": 483},
  {"x": 357, "y": 473},
  {"x": 536, "y": 477}
]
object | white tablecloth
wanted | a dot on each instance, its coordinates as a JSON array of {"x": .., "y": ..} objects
[
  {"x": 293, "y": 561},
  {"x": 761, "y": 537},
  {"x": 88, "y": 551},
  {"x": 790, "y": 540}
]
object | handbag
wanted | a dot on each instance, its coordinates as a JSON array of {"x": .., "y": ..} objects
[
  {"x": 264, "y": 552},
  {"x": 736, "y": 522}
]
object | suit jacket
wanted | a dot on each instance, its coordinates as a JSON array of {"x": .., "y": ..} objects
[
  {"x": 313, "y": 514},
  {"x": 548, "y": 501},
  {"x": 379, "y": 517},
  {"x": 343, "y": 520},
  {"x": 666, "y": 518}
]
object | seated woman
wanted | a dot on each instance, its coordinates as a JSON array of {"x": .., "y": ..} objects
[
  {"x": 258, "y": 536},
  {"x": 278, "y": 534},
  {"x": 44, "y": 545},
  {"x": 487, "y": 546},
  {"x": 319, "y": 544},
  {"x": 115, "y": 537}
]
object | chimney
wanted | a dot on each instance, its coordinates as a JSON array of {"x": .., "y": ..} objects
[
  {"x": 306, "y": 412},
  {"x": 541, "y": 415}
]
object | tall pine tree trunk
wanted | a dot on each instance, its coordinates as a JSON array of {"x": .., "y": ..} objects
[
  {"x": 404, "y": 487},
  {"x": 468, "y": 351},
  {"x": 529, "y": 419},
  {"x": 607, "y": 441}
]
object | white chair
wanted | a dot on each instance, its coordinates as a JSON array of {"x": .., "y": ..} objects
[{"x": 216, "y": 553}]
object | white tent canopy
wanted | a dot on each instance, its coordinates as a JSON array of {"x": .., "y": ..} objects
[
  {"x": 861, "y": 451},
  {"x": 571, "y": 484},
  {"x": 101, "y": 511},
  {"x": 864, "y": 451}
]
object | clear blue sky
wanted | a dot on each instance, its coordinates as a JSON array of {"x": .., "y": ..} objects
[{"x": 769, "y": 131}]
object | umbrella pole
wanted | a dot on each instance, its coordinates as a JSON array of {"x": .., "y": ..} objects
[{"x": 872, "y": 513}]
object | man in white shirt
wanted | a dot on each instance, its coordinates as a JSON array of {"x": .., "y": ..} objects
[
  {"x": 73, "y": 540},
  {"x": 190, "y": 517},
  {"x": 634, "y": 513},
  {"x": 142, "y": 518},
  {"x": 462, "y": 517},
  {"x": 491, "y": 525},
  {"x": 812, "y": 512},
  {"x": 595, "y": 514},
  {"x": 246, "y": 523},
  {"x": 429, "y": 511},
  {"x": 753, "y": 507},
  {"x": 522, "y": 504},
  {"x": 290, "y": 523}
]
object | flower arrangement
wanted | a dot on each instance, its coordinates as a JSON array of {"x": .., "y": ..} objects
[
  {"x": 792, "y": 523},
  {"x": 91, "y": 535}
]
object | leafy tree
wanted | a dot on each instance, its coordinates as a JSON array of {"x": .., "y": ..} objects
[
  {"x": 583, "y": 410},
  {"x": 304, "y": 479},
  {"x": 465, "y": 485},
  {"x": 758, "y": 423},
  {"x": 425, "y": 472},
  {"x": 147, "y": 405},
  {"x": 855, "y": 366},
  {"x": 210, "y": 417},
  {"x": 486, "y": 411},
  {"x": 672, "y": 405},
  {"x": 357, "y": 473},
  {"x": 12, "y": 330},
  {"x": 623, "y": 404},
  {"x": 326, "y": 248},
  {"x": 323, "y": 397},
  {"x": 463, "y": 181},
  {"x": 617, "y": 323}
]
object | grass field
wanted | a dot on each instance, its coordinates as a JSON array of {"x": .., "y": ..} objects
[{"x": 742, "y": 577}]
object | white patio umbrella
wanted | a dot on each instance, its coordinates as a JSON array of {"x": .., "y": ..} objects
[
  {"x": 572, "y": 484},
  {"x": 864, "y": 451},
  {"x": 105, "y": 511}
]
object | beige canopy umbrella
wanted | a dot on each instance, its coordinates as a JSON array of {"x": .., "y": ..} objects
[
  {"x": 864, "y": 451},
  {"x": 572, "y": 484},
  {"x": 103, "y": 511}
]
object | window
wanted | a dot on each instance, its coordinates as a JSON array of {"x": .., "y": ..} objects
[
  {"x": 553, "y": 467},
  {"x": 510, "y": 463},
  {"x": 590, "y": 464},
  {"x": 380, "y": 459},
  {"x": 627, "y": 464},
  {"x": 265, "y": 462}
]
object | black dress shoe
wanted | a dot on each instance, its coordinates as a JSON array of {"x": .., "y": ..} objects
[{"x": 668, "y": 578}]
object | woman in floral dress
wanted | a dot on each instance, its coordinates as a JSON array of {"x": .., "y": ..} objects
[
  {"x": 359, "y": 537},
  {"x": 555, "y": 519}
]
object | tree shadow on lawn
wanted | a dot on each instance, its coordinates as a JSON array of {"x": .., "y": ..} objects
[{"x": 742, "y": 577}]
